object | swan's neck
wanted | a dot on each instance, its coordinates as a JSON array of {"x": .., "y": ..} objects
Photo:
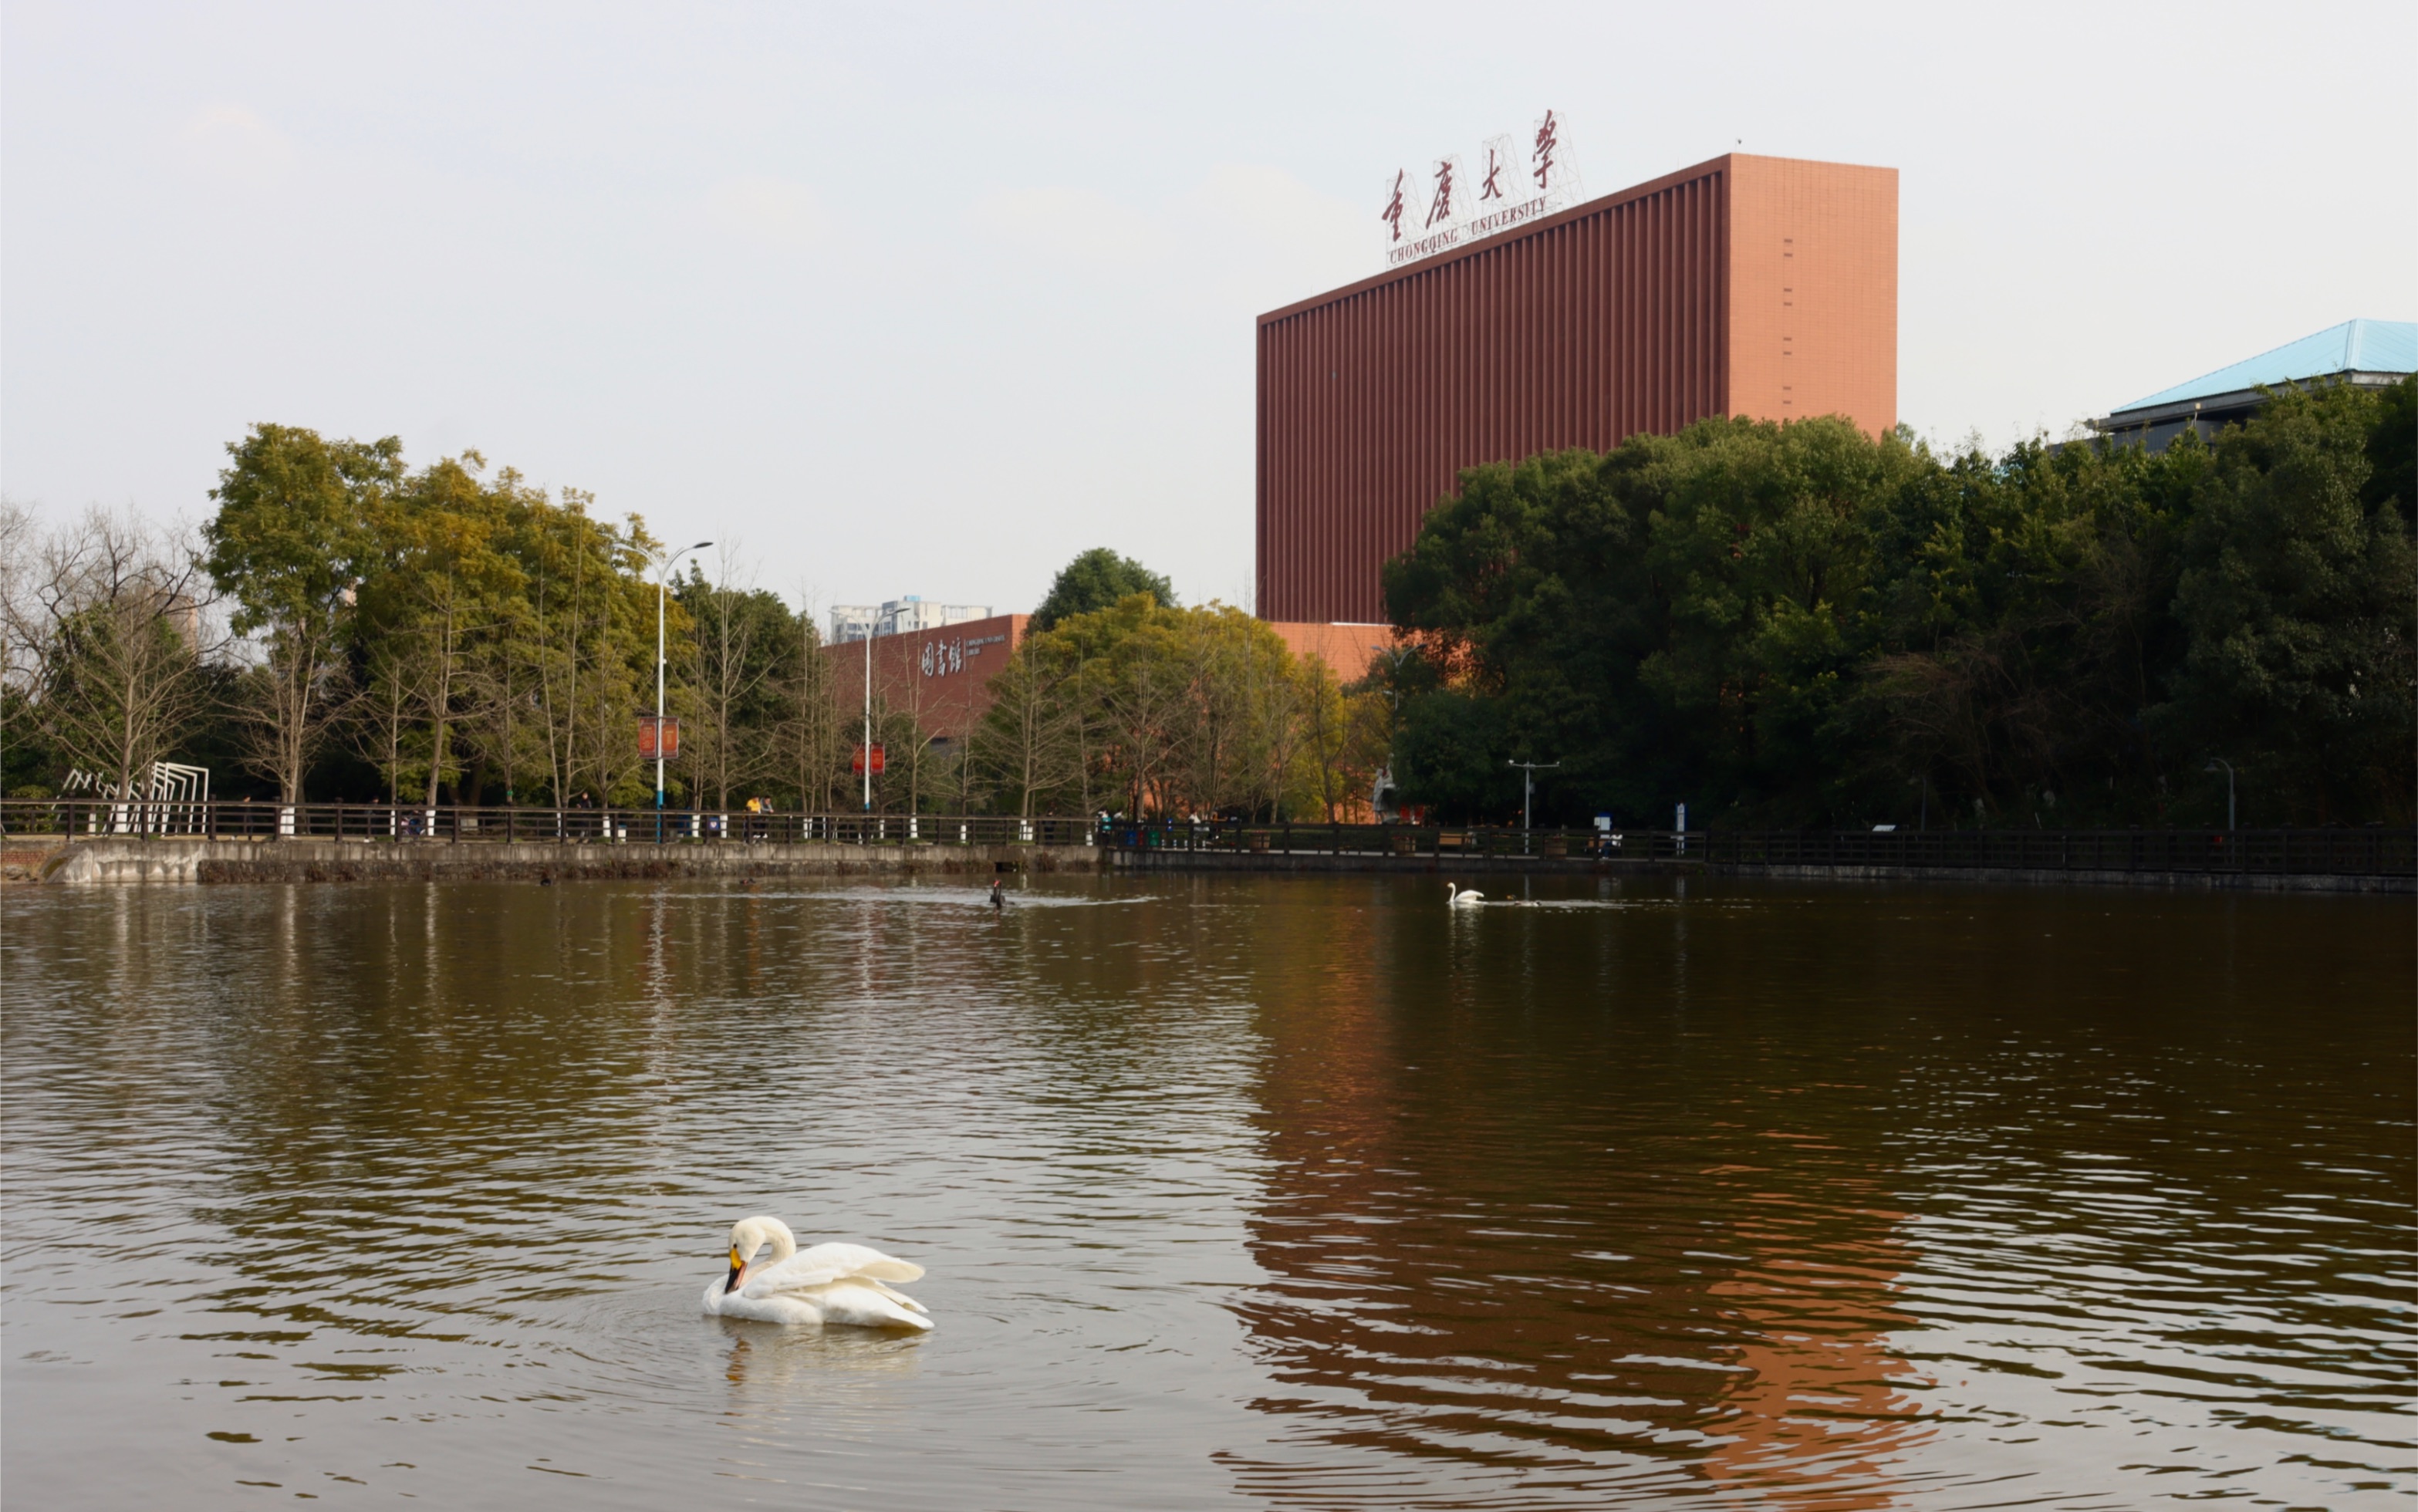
[{"x": 750, "y": 1237}]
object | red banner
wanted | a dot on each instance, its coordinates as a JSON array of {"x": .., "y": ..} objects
[
  {"x": 856, "y": 766},
  {"x": 658, "y": 739}
]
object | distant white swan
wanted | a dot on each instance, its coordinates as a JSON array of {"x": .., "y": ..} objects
[
  {"x": 1456, "y": 898},
  {"x": 826, "y": 1283}
]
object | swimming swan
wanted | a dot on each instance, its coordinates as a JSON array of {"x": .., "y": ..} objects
[
  {"x": 1456, "y": 898},
  {"x": 826, "y": 1283}
]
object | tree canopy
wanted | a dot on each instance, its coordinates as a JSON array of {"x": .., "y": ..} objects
[
  {"x": 1097, "y": 580},
  {"x": 1142, "y": 707},
  {"x": 1778, "y": 624},
  {"x": 1802, "y": 625}
]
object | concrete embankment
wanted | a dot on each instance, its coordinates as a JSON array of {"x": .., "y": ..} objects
[
  {"x": 158, "y": 859},
  {"x": 357, "y": 861}
]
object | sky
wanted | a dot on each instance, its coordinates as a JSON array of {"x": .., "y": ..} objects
[{"x": 926, "y": 299}]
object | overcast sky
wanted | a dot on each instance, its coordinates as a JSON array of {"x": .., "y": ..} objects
[{"x": 926, "y": 300}]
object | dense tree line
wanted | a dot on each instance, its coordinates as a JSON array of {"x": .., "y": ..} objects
[
  {"x": 345, "y": 626},
  {"x": 1779, "y": 625},
  {"x": 1802, "y": 625}
]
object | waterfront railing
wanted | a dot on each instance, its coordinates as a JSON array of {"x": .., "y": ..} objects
[
  {"x": 2372, "y": 850},
  {"x": 451, "y": 824}
]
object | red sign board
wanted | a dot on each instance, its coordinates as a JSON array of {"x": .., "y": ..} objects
[
  {"x": 857, "y": 765},
  {"x": 658, "y": 739}
]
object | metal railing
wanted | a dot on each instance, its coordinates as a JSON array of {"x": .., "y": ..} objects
[
  {"x": 2371, "y": 850},
  {"x": 80, "y": 818},
  {"x": 2368, "y": 851}
]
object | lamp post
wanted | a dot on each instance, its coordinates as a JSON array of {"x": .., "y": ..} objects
[
  {"x": 663, "y": 575},
  {"x": 1528, "y": 786},
  {"x": 1395, "y": 656},
  {"x": 865, "y": 758},
  {"x": 2214, "y": 762}
]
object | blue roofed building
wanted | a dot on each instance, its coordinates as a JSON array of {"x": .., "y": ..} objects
[{"x": 2368, "y": 353}]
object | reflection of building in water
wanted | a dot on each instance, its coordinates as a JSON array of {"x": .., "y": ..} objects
[
  {"x": 1500, "y": 1251},
  {"x": 1817, "y": 1409}
]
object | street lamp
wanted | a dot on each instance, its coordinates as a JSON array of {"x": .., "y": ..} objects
[
  {"x": 864, "y": 758},
  {"x": 2214, "y": 762},
  {"x": 663, "y": 573},
  {"x": 1395, "y": 656},
  {"x": 1528, "y": 786}
]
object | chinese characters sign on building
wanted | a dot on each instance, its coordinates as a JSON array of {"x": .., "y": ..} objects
[
  {"x": 942, "y": 657},
  {"x": 945, "y": 658},
  {"x": 1516, "y": 183}
]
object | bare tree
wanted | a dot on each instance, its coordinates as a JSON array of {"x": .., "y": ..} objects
[
  {"x": 907, "y": 730},
  {"x": 117, "y": 609},
  {"x": 728, "y": 672},
  {"x": 286, "y": 702},
  {"x": 20, "y": 610},
  {"x": 807, "y": 733}
]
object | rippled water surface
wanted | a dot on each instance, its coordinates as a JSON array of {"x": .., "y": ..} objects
[{"x": 1295, "y": 1191}]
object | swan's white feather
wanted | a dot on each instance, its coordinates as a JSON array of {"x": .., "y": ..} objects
[
  {"x": 825, "y": 1263},
  {"x": 858, "y": 1303},
  {"x": 831, "y": 1283}
]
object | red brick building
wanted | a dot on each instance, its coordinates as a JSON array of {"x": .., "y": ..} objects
[
  {"x": 1745, "y": 286},
  {"x": 941, "y": 676}
]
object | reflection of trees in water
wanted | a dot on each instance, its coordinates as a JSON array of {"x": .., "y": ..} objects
[
  {"x": 419, "y": 1089},
  {"x": 466, "y": 1098},
  {"x": 1496, "y": 1254}
]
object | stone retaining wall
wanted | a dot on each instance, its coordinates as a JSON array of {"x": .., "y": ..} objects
[
  {"x": 383, "y": 860},
  {"x": 366, "y": 860}
]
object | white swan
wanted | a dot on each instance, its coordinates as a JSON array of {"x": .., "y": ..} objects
[
  {"x": 826, "y": 1283},
  {"x": 1456, "y": 898}
]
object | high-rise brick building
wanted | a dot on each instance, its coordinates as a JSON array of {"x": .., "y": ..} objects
[{"x": 1746, "y": 285}]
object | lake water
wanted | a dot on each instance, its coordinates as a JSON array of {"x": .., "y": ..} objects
[{"x": 1291, "y": 1191}]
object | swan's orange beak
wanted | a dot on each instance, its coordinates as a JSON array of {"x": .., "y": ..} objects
[{"x": 738, "y": 1267}]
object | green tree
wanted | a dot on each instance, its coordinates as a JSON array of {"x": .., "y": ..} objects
[
  {"x": 1798, "y": 624},
  {"x": 2298, "y": 594},
  {"x": 591, "y": 636},
  {"x": 1097, "y": 580},
  {"x": 294, "y": 529},
  {"x": 740, "y": 643},
  {"x": 1027, "y": 750},
  {"x": 1159, "y": 710},
  {"x": 442, "y": 590}
]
